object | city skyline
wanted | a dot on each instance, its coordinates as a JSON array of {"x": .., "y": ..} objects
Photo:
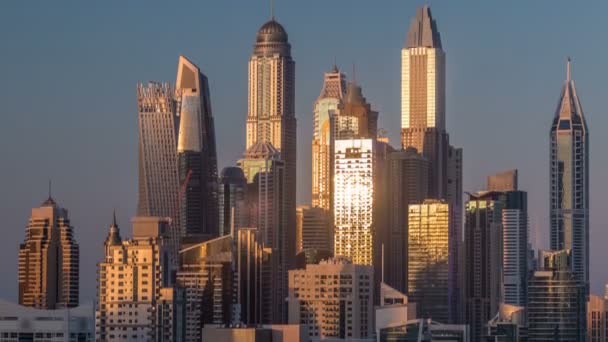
[{"x": 125, "y": 200}]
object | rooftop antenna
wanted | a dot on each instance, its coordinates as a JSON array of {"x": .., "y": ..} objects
[
  {"x": 114, "y": 218},
  {"x": 568, "y": 69},
  {"x": 271, "y": 9},
  {"x": 50, "y": 187}
]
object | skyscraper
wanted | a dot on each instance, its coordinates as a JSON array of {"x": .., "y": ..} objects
[
  {"x": 158, "y": 133},
  {"x": 596, "y": 319},
  {"x": 569, "y": 167},
  {"x": 197, "y": 156},
  {"x": 232, "y": 192},
  {"x": 264, "y": 170},
  {"x": 408, "y": 173},
  {"x": 271, "y": 111},
  {"x": 423, "y": 97},
  {"x": 355, "y": 199},
  {"x": 334, "y": 88},
  {"x": 431, "y": 257},
  {"x": 556, "y": 300},
  {"x": 483, "y": 259},
  {"x": 515, "y": 251},
  {"x": 48, "y": 260}
]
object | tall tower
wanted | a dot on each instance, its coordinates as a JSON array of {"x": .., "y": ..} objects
[
  {"x": 196, "y": 153},
  {"x": 232, "y": 206},
  {"x": 431, "y": 272},
  {"x": 271, "y": 113},
  {"x": 570, "y": 180},
  {"x": 158, "y": 131},
  {"x": 265, "y": 173},
  {"x": 334, "y": 87},
  {"x": 423, "y": 97},
  {"x": 48, "y": 260}
]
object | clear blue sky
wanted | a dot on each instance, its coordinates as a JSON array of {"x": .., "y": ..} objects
[{"x": 68, "y": 72}]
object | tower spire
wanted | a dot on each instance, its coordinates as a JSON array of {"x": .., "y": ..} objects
[
  {"x": 568, "y": 69},
  {"x": 50, "y": 187},
  {"x": 271, "y": 9},
  {"x": 114, "y": 218}
]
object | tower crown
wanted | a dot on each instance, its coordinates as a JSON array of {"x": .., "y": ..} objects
[
  {"x": 271, "y": 39},
  {"x": 423, "y": 30}
]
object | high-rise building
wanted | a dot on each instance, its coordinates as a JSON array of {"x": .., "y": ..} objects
[
  {"x": 333, "y": 299},
  {"x": 408, "y": 173},
  {"x": 271, "y": 112},
  {"x": 515, "y": 252},
  {"x": 569, "y": 166},
  {"x": 48, "y": 260},
  {"x": 264, "y": 170},
  {"x": 313, "y": 229},
  {"x": 232, "y": 206},
  {"x": 431, "y": 255},
  {"x": 483, "y": 259},
  {"x": 206, "y": 276},
  {"x": 158, "y": 133},
  {"x": 423, "y": 97},
  {"x": 135, "y": 290},
  {"x": 354, "y": 200},
  {"x": 197, "y": 156},
  {"x": 334, "y": 88},
  {"x": 556, "y": 300},
  {"x": 596, "y": 319}
]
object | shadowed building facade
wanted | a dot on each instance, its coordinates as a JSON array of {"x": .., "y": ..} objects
[
  {"x": 556, "y": 300},
  {"x": 569, "y": 166},
  {"x": 408, "y": 173},
  {"x": 271, "y": 113},
  {"x": 158, "y": 131},
  {"x": 232, "y": 193},
  {"x": 48, "y": 260},
  {"x": 197, "y": 156},
  {"x": 264, "y": 170}
]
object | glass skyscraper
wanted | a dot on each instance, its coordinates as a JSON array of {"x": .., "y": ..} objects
[
  {"x": 197, "y": 156},
  {"x": 569, "y": 167}
]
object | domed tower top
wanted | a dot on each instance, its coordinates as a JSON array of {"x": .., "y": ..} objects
[{"x": 272, "y": 39}]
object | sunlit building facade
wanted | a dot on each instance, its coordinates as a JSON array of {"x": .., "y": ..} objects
[
  {"x": 569, "y": 165},
  {"x": 354, "y": 199},
  {"x": 49, "y": 260},
  {"x": 596, "y": 319},
  {"x": 333, "y": 300},
  {"x": 197, "y": 156},
  {"x": 135, "y": 291},
  {"x": 271, "y": 112},
  {"x": 423, "y": 97},
  {"x": 334, "y": 88},
  {"x": 431, "y": 254}
]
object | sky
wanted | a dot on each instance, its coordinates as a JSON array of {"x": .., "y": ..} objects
[{"x": 68, "y": 74}]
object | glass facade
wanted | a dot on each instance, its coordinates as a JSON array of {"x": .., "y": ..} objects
[{"x": 431, "y": 281}]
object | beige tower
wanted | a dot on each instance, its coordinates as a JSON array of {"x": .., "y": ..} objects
[
  {"x": 334, "y": 87},
  {"x": 134, "y": 284},
  {"x": 271, "y": 111},
  {"x": 48, "y": 260}
]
